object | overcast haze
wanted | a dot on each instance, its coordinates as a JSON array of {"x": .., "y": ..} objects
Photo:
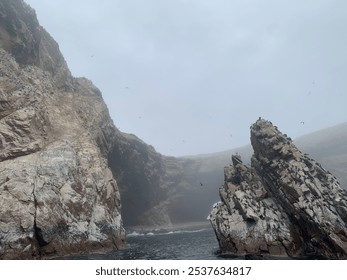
[{"x": 190, "y": 77}]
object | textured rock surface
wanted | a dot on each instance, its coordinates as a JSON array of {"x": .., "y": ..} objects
[
  {"x": 285, "y": 205},
  {"x": 329, "y": 147},
  {"x": 57, "y": 193}
]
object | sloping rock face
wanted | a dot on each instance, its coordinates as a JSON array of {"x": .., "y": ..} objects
[
  {"x": 57, "y": 193},
  {"x": 283, "y": 205},
  {"x": 328, "y": 146}
]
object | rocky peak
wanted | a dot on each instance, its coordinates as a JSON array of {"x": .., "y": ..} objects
[
  {"x": 285, "y": 204},
  {"x": 22, "y": 36},
  {"x": 268, "y": 142}
]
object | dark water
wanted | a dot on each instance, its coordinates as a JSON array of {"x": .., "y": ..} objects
[{"x": 176, "y": 245}]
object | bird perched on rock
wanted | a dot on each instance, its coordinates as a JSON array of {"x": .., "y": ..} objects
[{"x": 236, "y": 159}]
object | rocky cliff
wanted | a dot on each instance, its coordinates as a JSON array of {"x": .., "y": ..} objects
[
  {"x": 159, "y": 191},
  {"x": 57, "y": 193},
  {"x": 61, "y": 155},
  {"x": 139, "y": 170},
  {"x": 285, "y": 204},
  {"x": 64, "y": 166}
]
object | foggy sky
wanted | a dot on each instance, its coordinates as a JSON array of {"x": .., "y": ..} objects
[{"x": 191, "y": 76}]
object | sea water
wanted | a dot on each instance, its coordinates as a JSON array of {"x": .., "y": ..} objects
[{"x": 174, "y": 245}]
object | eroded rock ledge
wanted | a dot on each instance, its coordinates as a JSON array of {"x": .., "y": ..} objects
[{"x": 284, "y": 205}]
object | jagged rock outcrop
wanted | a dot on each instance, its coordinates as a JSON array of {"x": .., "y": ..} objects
[
  {"x": 285, "y": 205},
  {"x": 57, "y": 193}
]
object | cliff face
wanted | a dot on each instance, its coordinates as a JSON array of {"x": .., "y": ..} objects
[
  {"x": 156, "y": 190},
  {"x": 60, "y": 155},
  {"x": 286, "y": 204},
  {"x": 23, "y": 37},
  {"x": 139, "y": 170},
  {"x": 57, "y": 194}
]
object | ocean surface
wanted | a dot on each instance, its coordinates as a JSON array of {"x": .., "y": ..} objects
[{"x": 200, "y": 244}]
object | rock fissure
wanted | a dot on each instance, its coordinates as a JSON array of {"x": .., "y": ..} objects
[
  {"x": 37, "y": 231},
  {"x": 38, "y": 235}
]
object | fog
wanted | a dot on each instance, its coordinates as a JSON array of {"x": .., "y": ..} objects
[{"x": 191, "y": 76}]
